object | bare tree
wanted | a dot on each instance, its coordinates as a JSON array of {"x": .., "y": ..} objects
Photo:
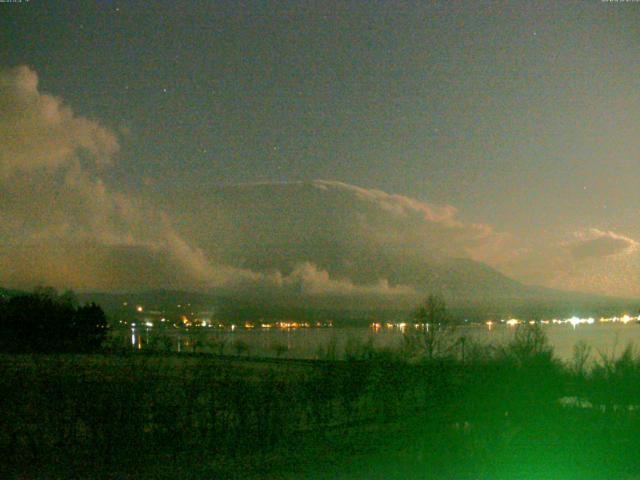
[{"x": 433, "y": 336}]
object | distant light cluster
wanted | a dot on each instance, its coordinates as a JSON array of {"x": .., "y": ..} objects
[
  {"x": 513, "y": 322},
  {"x": 188, "y": 322},
  {"x": 573, "y": 321}
]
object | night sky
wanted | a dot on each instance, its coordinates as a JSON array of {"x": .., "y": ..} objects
[{"x": 150, "y": 136}]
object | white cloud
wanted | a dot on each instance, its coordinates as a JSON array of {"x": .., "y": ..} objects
[
  {"x": 598, "y": 243},
  {"x": 39, "y": 131},
  {"x": 307, "y": 279},
  {"x": 591, "y": 260},
  {"x": 332, "y": 237},
  {"x": 295, "y": 215},
  {"x": 422, "y": 225},
  {"x": 59, "y": 223}
]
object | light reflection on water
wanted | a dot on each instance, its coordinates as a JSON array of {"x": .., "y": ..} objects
[{"x": 607, "y": 339}]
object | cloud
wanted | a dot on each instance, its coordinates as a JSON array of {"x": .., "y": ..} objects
[
  {"x": 409, "y": 222},
  {"x": 330, "y": 224},
  {"x": 398, "y": 205},
  {"x": 331, "y": 237},
  {"x": 60, "y": 224},
  {"x": 307, "y": 279},
  {"x": 598, "y": 243},
  {"x": 591, "y": 260},
  {"x": 39, "y": 131}
]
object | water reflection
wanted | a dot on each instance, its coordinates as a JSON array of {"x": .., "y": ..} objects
[{"x": 606, "y": 336}]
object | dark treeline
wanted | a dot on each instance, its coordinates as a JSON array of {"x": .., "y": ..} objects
[{"x": 44, "y": 321}]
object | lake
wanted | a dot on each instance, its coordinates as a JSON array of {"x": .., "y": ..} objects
[{"x": 308, "y": 343}]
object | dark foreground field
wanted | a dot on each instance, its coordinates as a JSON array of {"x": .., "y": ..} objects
[{"x": 508, "y": 413}]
